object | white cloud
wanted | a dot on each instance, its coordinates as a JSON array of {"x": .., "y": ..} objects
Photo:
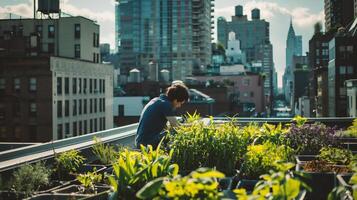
[
  {"x": 23, "y": 10},
  {"x": 302, "y": 17}
]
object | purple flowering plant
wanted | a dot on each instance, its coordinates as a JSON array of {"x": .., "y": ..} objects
[{"x": 308, "y": 139}]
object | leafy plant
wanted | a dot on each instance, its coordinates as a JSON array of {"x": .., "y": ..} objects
[
  {"x": 68, "y": 162},
  {"x": 105, "y": 153},
  {"x": 88, "y": 181},
  {"x": 199, "y": 184},
  {"x": 336, "y": 156},
  {"x": 133, "y": 169},
  {"x": 275, "y": 185},
  {"x": 310, "y": 138},
  {"x": 199, "y": 145},
  {"x": 29, "y": 178},
  {"x": 260, "y": 159},
  {"x": 351, "y": 131},
  {"x": 300, "y": 121}
]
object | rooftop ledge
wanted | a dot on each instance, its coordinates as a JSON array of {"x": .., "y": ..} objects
[{"x": 123, "y": 135}]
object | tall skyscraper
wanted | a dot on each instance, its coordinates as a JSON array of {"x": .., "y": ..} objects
[
  {"x": 293, "y": 47},
  {"x": 174, "y": 34},
  {"x": 254, "y": 40},
  {"x": 338, "y": 13}
]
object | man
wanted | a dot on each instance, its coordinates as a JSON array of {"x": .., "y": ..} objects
[{"x": 157, "y": 112}]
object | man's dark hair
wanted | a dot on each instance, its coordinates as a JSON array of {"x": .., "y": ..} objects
[{"x": 178, "y": 92}]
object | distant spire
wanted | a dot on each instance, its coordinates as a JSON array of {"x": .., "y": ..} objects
[{"x": 291, "y": 32}]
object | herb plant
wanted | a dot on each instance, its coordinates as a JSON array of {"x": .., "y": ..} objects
[
  {"x": 199, "y": 184},
  {"x": 105, "y": 153},
  {"x": 29, "y": 178},
  {"x": 68, "y": 163},
  {"x": 260, "y": 159},
  {"x": 88, "y": 181},
  {"x": 133, "y": 169},
  {"x": 336, "y": 156},
  {"x": 310, "y": 138},
  {"x": 276, "y": 185},
  {"x": 198, "y": 145}
]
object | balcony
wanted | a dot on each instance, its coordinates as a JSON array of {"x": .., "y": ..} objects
[{"x": 11, "y": 160}]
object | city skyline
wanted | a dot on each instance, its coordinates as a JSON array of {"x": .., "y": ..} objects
[{"x": 304, "y": 13}]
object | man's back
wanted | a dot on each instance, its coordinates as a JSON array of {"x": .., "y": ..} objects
[{"x": 153, "y": 119}]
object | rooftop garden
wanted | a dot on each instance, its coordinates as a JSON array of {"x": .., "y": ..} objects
[{"x": 200, "y": 160}]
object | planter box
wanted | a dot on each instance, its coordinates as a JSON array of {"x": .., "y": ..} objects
[
  {"x": 75, "y": 189},
  {"x": 5, "y": 195},
  {"x": 53, "y": 196},
  {"x": 320, "y": 183},
  {"x": 225, "y": 183},
  {"x": 302, "y": 159},
  {"x": 347, "y": 139},
  {"x": 247, "y": 184},
  {"x": 350, "y": 145}
]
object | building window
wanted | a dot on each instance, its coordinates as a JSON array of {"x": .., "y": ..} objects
[
  {"x": 251, "y": 94},
  {"x": 85, "y": 106},
  {"x": 79, "y": 85},
  {"x": 74, "y": 128},
  {"x": 80, "y": 106},
  {"x": 91, "y": 125},
  {"x": 103, "y": 86},
  {"x": 342, "y": 70},
  {"x": 66, "y": 85},
  {"x": 39, "y": 30},
  {"x": 66, "y": 108},
  {"x": 80, "y": 127},
  {"x": 17, "y": 83},
  {"x": 100, "y": 105},
  {"x": 33, "y": 131},
  {"x": 91, "y": 106},
  {"x": 33, "y": 109},
  {"x": 77, "y": 31},
  {"x": 95, "y": 105},
  {"x": 77, "y": 51},
  {"x": 121, "y": 110},
  {"x": 16, "y": 109},
  {"x": 95, "y": 125},
  {"x": 246, "y": 82},
  {"x": 90, "y": 86},
  {"x": 66, "y": 129},
  {"x": 103, "y": 123},
  {"x": 85, "y": 127},
  {"x": 85, "y": 86},
  {"x": 74, "y": 85},
  {"x": 59, "y": 85},
  {"x": 2, "y": 83},
  {"x": 51, "y": 48},
  {"x": 94, "y": 57},
  {"x": 51, "y": 31},
  {"x": 59, "y": 108},
  {"x": 74, "y": 107},
  {"x": 95, "y": 86},
  {"x": 103, "y": 105},
  {"x": 33, "y": 84},
  {"x": 59, "y": 131},
  {"x": 349, "y": 69}
]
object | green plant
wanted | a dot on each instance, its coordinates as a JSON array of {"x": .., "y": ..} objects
[
  {"x": 88, "y": 181},
  {"x": 105, "y": 153},
  {"x": 351, "y": 130},
  {"x": 336, "y": 156},
  {"x": 276, "y": 185},
  {"x": 199, "y": 184},
  {"x": 300, "y": 121},
  {"x": 133, "y": 169},
  {"x": 260, "y": 159},
  {"x": 68, "y": 162},
  {"x": 29, "y": 178},
  {"x": 199, "y": 145}
]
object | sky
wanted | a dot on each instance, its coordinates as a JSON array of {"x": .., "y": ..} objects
[{"x": 305, "y": 13}]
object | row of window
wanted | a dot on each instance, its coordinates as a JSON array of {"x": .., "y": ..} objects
[
  {"x": 79, "y": 86},
  {"x": 16, "y": 108},
  {"x": 80, "y": 127},
  {"x": 80, "y": 107},
  {"x": 16, "y": 84}
]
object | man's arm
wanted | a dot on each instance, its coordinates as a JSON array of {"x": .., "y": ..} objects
[{"x": 173, "y": 121}]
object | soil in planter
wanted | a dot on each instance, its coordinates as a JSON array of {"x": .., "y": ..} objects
[{"x": 247, "y": 184}]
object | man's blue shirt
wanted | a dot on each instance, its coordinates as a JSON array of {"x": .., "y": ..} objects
[{"x": 153, "y": 120}]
